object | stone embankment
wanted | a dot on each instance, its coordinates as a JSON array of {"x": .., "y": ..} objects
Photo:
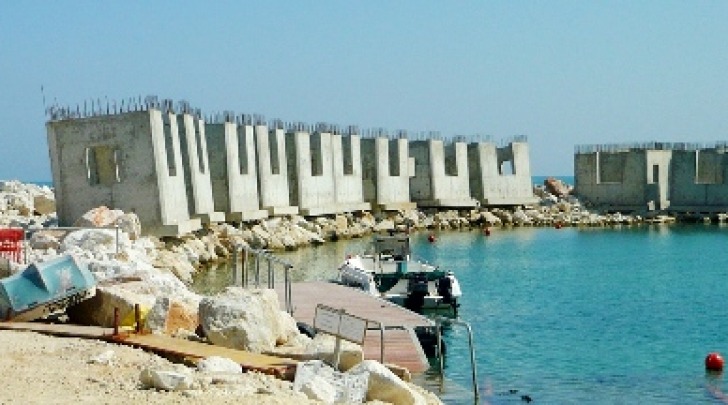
[{"x": 134, "y": 269}]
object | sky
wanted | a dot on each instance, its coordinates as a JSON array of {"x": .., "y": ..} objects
[{"x": 563, "y": 73}]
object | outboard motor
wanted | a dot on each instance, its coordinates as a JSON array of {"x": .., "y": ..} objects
[
  {"x": 417, "y": 291},
  {"x": 444, "y": 289}
]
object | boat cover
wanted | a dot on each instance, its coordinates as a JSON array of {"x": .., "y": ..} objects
[{"x": 53, "y": 285}]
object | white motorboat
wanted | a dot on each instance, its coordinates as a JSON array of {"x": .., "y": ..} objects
[{"x": 391, "y": 272}]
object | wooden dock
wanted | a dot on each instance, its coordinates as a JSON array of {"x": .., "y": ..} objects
[{"x": 401, "y": 346}]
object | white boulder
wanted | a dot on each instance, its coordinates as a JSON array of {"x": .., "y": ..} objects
[
  {"x": 246, "y": 319},
  {"x": 385, "y": 386}
]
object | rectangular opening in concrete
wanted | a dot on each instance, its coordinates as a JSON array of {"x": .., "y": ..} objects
[
  {"x": 348, "y": 155},
  {"x": 655, "y": 174},
  {"x": 451, "y": 160},
  {"x": 505, "y": 168},
  {"x": 317, "y": 166},
  {"x": 275, "y": 163},
  {"x": 169, "y": 146},
  {"x": 102, "y": 165},
  {"x": 242, "y": 151},
  {"x": 200, "y": 149},
  {"x": 394, "y": 157}
]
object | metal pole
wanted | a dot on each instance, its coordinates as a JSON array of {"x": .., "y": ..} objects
[
  {"x": 117, "y": 239},
  {"x": 472, "y": 361},
  {"x": 257, "y": 269},
  {"x": 237, "y": 280},
  {"x": 270, "y": 274}
]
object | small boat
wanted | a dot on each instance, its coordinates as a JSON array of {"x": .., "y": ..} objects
[
  {"x": 392, "y": 273},
  {"x": 45, "y": 288}
]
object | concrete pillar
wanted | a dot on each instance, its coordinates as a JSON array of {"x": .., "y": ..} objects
[
  {"x": 234, "y": 175},
  {"x": 130, "y": 161},
  {"x": 311, "y": 176},
  {"x": 197, "y": 169},
  {"x": 491, "y": 184},
  {"x": 441, "y": 175},
  {"x": 273, "y": 171},
  {"x": 348, "y": 184},
  {"x": 386, "y": 172}
]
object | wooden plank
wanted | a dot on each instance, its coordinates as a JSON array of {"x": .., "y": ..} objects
[
  {"x": 68, "y": 330},
  {"x": 281, "y": 367},
  {"x": 306, "y": 295}
]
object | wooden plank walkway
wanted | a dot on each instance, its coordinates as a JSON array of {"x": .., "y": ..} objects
[
  {"x": 162, "y": 344},
  {"x": 66, "y": 330},
  {"x": 195, "y": 351},
  {"x": 401, "y": 346}
]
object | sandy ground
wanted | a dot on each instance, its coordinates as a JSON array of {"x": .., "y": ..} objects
[
  {"x": 44, "y": 369},
  {"x": 40, "y": 369}
]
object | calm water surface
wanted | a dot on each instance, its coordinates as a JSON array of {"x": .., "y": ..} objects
[{"x": 605, "y": 315}]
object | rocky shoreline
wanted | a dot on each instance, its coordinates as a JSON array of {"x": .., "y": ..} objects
[{"x": 154, "y": 273}]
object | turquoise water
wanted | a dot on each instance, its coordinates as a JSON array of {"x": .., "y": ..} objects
[{"x": 571, "y": 316}]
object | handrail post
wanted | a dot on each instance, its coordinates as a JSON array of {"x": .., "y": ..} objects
[
  {"x": 257, "y": 269},
  {"x": 438, "y": 321},
  {"x": 270, "y": 273}
]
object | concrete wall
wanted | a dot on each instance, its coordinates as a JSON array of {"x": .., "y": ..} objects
[
  {"x": 273, "y": 171},
  {"x": 441, "y": 174},
  {"x": 348, "y": 184},
  {"x": 386, "y": 172},
  {"x": 614, "y": 180},
  {"x": 235, "y": 180},
  {"x": 490, "y": 184},
  {"x": 698, "y": 181},
  {"x": 627, "y": 180},
  {"x": 197, "y": 169},
  {"x": 129, "y": 161},
  {"x": 311, "y": 172}
]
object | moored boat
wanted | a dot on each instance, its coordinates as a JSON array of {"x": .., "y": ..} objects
[{"x": 391, "y": 272}]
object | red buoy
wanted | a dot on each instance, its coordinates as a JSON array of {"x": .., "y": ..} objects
[
  {"x": 558, "y": 225},
  {"x": 714, "y": 362},
  {"x": 431, "y": 238},
  {"x": 487, "y": 231}
]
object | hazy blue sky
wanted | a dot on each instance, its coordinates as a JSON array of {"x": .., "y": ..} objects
[{"x": 561, "y": 72}]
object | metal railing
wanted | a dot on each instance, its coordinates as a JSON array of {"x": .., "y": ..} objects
[
  {"x": 242, "y": 270},
  {"x": 439, "y": 321}
]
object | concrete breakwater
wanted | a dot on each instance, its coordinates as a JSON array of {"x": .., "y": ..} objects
[{"x": 177, "y": 170}]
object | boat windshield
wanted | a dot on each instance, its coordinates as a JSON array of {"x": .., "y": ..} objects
[{"x": 395, "y": 246}]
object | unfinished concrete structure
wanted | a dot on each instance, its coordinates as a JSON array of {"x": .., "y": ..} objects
[
  {"x": 196, "y": 167},
  {"x": 123, "y": 160},
  {"x": 346, "y": 150},
  {"x": 672, "y": 177},
  {"x": 311, "y": 171},
  {"x": 386, "y": 172},
  {"x": 441, "y": 177},
  {"x": 698, "y": 179},
  {"x": 501, "y": 176},
  {"x": 233, "y": 169},
  {"x": 272, "y": 170}
]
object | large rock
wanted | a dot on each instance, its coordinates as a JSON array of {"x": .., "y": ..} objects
[
  {"x": 169, "y": 316},
  {"x": 246, "y": 319},
  {"x": 44, "y": 204},
  {"x": 322, "y": 347},
  {"x": 385, "y": 386},
  {"x": 556, "y": 187},
  {"x": 99, "y": 310},
  {"x": 167, "y": 380}
]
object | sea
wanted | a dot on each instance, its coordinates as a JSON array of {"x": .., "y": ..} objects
[{"x": 615, "y": 315}]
